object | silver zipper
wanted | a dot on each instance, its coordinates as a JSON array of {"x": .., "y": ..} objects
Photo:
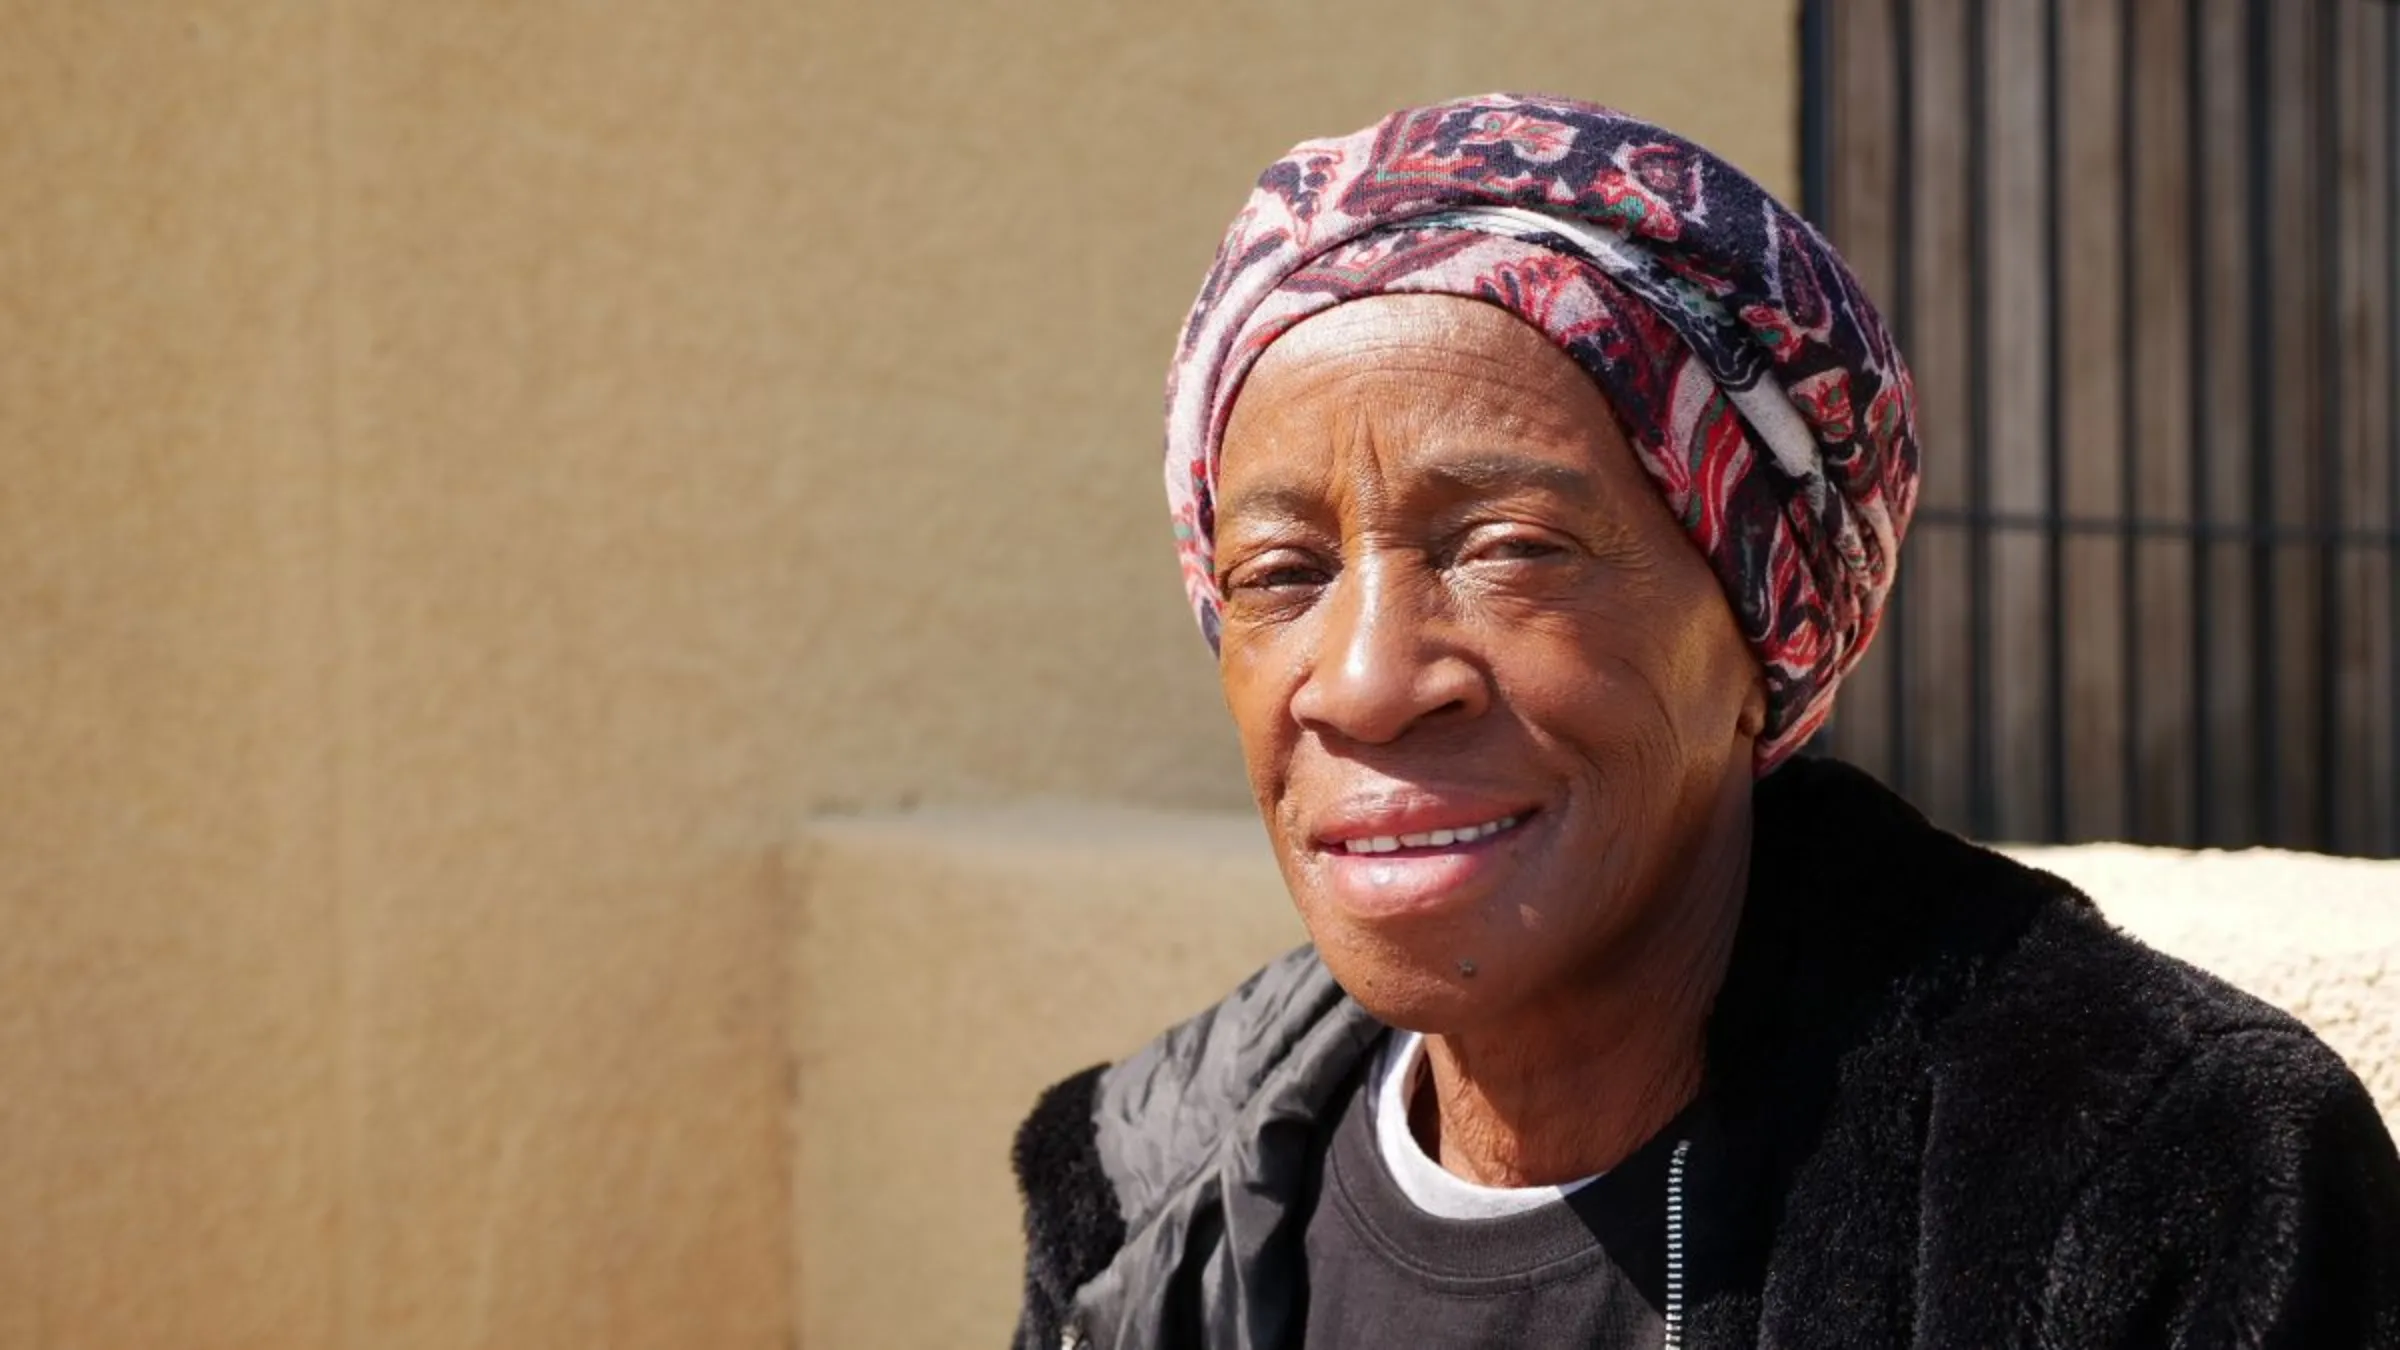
[{"x": 1674, "y": 1336}]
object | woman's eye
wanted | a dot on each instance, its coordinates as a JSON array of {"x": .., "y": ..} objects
[
  {"x": 1279, "y": 576},
  {"x": 1514, "y": 548}
]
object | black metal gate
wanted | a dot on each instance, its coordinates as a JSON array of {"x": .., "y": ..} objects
[{"x": 2142, "y": 254}]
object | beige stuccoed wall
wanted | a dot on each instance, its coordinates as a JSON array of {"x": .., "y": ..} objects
[
  {"x": 169, "y": 963},
  {"x": 474, "y": 478}
]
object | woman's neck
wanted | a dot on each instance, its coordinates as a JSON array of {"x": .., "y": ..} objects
[{"x": 1571, "y": 1085}]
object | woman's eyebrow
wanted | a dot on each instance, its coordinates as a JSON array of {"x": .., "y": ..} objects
[
  {"x": 1495, "y": 473},
  {"x": 1271, "y": 501},
  {"x": 1465, "y": 475}
]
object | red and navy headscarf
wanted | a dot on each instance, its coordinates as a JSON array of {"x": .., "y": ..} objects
[{"x": 1758, "y": 385}]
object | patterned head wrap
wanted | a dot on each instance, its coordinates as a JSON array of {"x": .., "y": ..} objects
[{"x": 1760, "y": 389}]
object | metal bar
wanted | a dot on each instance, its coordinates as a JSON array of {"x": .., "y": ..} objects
[
  {"x": 1904, "y": 320},
  {"x": 2054, "y": 423},
  {"x": 1982, "y": 784},
  {"x": 2198, "y": 211},
  {"x": 2259, "y": 84},
  {"x": 2391, "y": 415},
  {"x": 2325, "y": 168},
  {"x": 2128, "y": 414},
  {"x": 1816, "y": 83}
]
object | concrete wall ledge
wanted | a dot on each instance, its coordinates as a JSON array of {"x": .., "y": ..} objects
[
  {"x": 954, "y": 962},
  {"x": 951, "y": 965},
  {"x": 2317, "y": 936}
]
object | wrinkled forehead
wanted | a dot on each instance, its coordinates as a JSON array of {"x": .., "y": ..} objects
[
  {"x": 1410, "y": 386},
  {"x": 1504, "y": 297}
]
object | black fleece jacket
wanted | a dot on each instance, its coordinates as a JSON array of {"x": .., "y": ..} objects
[{"x": 1946, "y": 1105}]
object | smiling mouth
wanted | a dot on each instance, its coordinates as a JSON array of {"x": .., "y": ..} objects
[{"x": 1431, "y": 840}]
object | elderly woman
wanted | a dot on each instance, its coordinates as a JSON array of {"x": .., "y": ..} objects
[{"x": 1537, "y": 478}]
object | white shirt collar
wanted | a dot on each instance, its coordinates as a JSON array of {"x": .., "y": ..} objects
[{"x": 1423, "y": 1180}]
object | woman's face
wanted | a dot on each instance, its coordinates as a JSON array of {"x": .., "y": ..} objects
[{"x": 1489, "y": 693}]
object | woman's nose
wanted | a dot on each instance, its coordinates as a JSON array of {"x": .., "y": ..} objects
[{"x": 1386, "y": 660}]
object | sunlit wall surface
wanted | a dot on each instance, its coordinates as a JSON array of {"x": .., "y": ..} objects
[{"x": 477, "y": 476}]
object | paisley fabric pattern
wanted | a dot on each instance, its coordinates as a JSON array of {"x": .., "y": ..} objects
[{"x": 1759, "y": 387}]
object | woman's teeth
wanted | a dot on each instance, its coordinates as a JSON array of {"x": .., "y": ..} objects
[{"x": 1393, "y": 843}]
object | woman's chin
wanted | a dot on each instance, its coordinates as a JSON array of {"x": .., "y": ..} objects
[
  {"x": 1421, "y": 981},
  {"x": 1409, "y": 997}
]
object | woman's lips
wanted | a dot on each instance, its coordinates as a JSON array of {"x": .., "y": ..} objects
[
  {"x": 1402, "y": 872},
  {"x": 1438, "y": 837}
]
